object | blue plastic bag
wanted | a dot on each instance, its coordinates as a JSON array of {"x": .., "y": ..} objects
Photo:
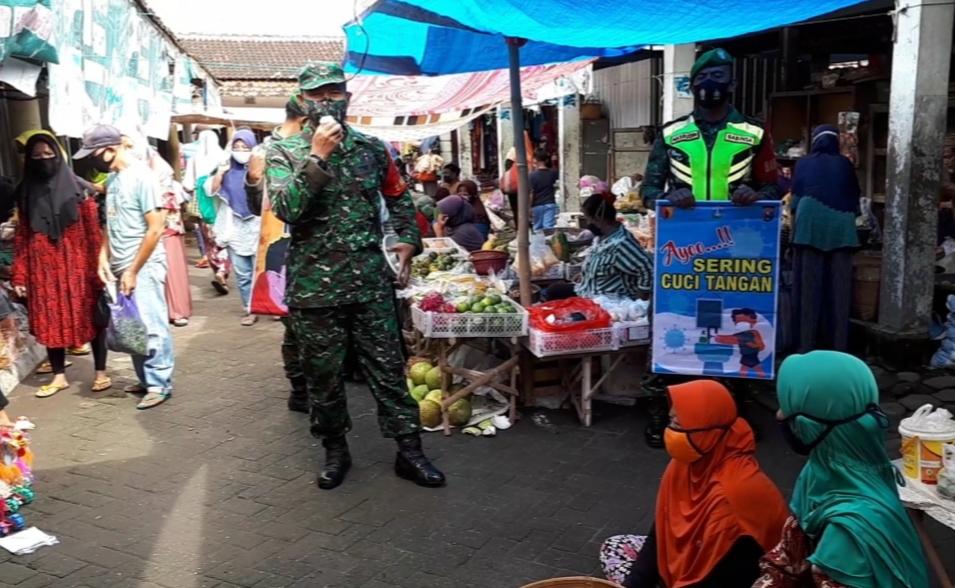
[{"x": 126, "y": 332}]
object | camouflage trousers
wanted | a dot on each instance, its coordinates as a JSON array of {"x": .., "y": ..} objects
[
  {"x": 323, "y": 336},
  {"x": 293, "y": 362}
]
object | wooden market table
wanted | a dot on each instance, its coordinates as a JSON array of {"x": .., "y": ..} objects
[
  {"x": 577, "y": 382},
  {"x": 476, "y": 378},
  {"x": 921, "y": 500}
]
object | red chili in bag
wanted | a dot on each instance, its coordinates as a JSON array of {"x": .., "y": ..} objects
[{"x": 569, "y": 315}]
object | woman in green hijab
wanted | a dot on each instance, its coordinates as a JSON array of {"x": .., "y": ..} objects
[{"x": 848, "y": 527}]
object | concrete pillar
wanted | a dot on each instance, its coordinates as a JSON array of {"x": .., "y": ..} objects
[
  {"x": 465, "y": 157},
  {"x": 677, "y": 97},
  {"x": 568, "y": 123},
  {"x": 917, "y": 121},
  {"x": 505, "y": 135}
]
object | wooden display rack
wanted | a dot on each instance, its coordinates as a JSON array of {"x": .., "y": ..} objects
[{"x": 476, "y": 379}]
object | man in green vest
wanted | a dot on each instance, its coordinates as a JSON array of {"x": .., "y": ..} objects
[{"x": 714, "y": 154}]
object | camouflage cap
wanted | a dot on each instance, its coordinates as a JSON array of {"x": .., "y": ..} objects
[
  {"x": 316, "y": 75},
  {"x": 711, "y": 58}
]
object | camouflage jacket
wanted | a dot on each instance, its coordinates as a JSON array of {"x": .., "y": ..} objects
[{"x": 334, "y": 214}]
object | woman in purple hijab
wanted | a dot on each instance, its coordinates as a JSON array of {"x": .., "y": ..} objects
[{"x": 236, "y": 227}]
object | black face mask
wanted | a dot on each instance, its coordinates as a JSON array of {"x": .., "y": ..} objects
[
  {"x": 803, "y": 448},
  {"x": 100, "y": 163},
  {"x": 448, "y": 179},
  {"x": 597, "y": 231},
  {"x": 710, "y": 93},
  {"x": 43, "y": 168}
]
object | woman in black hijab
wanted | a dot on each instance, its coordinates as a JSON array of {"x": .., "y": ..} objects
[{"x": 58, "y": 240}]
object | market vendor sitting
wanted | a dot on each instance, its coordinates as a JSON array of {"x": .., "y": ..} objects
[
  {"x": 617, "y": 264},
  {"x": 456, "y": 220}
]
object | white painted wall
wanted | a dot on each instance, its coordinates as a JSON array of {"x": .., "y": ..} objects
[{"x": 677, "y": 62}]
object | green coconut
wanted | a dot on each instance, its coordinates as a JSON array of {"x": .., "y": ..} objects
[
  {"x": 419, "y": 372},
  {"x": 419, "y": 392},
  {"x": 434, "y": 396},
  {"x": 430, "y": 413},
  {"x": 433, "y": 378},
  {"x": 459, "y": 413}
]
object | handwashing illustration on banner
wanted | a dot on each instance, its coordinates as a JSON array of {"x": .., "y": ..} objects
[{"x": 715, "y": 290}]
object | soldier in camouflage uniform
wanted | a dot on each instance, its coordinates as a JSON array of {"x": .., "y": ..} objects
[{"x": 328, "y": 183}]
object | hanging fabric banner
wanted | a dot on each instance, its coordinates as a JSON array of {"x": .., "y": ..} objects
[
  {"x": 115, "y": 67},
  {"x": 715, "y": 290},
  {"x": 26, "y": 30}
]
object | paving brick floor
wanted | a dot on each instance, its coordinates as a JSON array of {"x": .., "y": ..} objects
[{"x": 216, "y": 488}]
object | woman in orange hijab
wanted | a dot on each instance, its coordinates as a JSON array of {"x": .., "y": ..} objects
[{"x": 716, "y": 513}]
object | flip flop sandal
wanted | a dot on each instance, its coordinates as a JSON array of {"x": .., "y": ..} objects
[
  {"x": 134, "y": 389},
  {"x": 49, "y": 390},
  {"x": 79, "y": 351},
  {"x": 102, "y": 384},
  {"x": 152, "y": 399},
  {"x": 46, "y": 368},
  {"x": 221, "y": 288}
]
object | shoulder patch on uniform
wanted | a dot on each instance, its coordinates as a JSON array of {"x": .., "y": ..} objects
[
  {"x": 734, "y": 138},
  {"x": 684, "y": 137},
  {"x": 676, "y": 121}
]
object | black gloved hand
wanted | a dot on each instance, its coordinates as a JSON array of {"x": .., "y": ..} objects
[
  {"x": 681, "y": 198},
  {"x": 744, "y": 196}
]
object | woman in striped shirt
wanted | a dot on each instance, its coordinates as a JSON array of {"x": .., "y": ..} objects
[{"x": 617, "y": 264}]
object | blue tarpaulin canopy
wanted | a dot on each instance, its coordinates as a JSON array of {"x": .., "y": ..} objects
[{"x": 435, "y": 37}]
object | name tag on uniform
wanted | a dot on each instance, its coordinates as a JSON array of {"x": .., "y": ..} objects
[
  {"x": 683, "y": 138},
  {"x": 731, "y": 138}
]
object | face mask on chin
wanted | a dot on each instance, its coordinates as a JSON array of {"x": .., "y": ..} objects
[
  {"x": 337, "y": 109},
  {"x": 710, "y": 94}
]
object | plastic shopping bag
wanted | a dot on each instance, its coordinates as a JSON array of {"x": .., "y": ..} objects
[
  {"x": 126, "y": 332},
  {"x": 569, "y": 316}
]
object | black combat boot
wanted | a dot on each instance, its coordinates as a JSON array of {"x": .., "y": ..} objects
[
  {"x": 337, "y": 463},
  {"x": 411, "y": 463}
]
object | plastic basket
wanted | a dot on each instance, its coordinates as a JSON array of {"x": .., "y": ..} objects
[
  {"x": 544, "y": 344},
  {"x": 632, "y": 334},
  {"x": 439, "y": 325}
]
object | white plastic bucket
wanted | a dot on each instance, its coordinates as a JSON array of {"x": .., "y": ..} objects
[{"x": 923, "y": 440}]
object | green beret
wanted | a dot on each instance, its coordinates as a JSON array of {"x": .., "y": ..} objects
[
  {"x": 711, "y": 58},
  {"x": 316, "y": 75}
]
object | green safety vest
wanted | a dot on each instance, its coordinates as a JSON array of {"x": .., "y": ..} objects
[{"x": 714, "y": 173}]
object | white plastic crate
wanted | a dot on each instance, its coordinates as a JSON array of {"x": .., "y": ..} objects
[
  {"x": 632, "y": 334},
  {"x": 439, "y": 325},
  {"x": 544, "y": 344}
]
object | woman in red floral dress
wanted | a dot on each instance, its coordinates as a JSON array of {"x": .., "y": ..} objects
[{"x": 58, "y": 240}]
